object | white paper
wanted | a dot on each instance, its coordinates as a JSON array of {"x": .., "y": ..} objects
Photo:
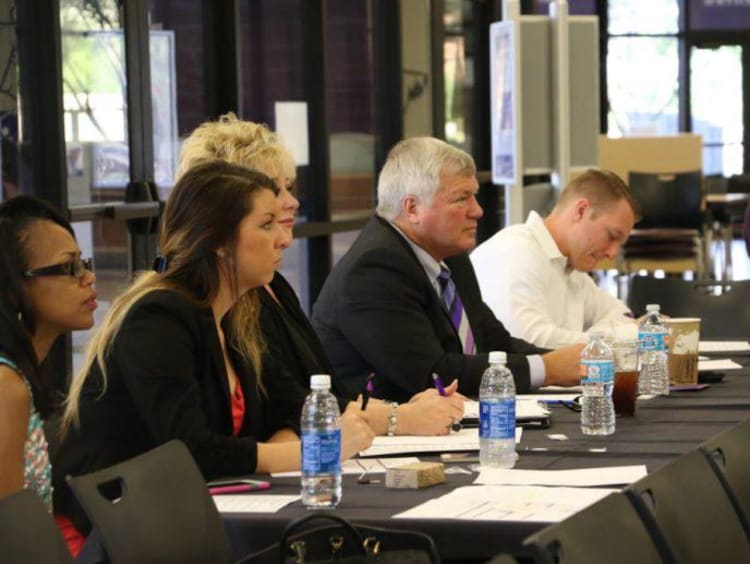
[
  {"x": 718, "y": 364},
  {"x": 723, "y": 346},
  {"x": 550, "y": 398},
  {"x": 252, "y": 503},
  {"x": 507, "y": 503},
  {"x": 463, "y": 440},
  {"x": 291, "y": 126},
  {"x": 526, "y": 408},
  {"x": 584, "y": 477},
  {"x": 562, "y": 389},
  {"x": 362, "y": 466}
]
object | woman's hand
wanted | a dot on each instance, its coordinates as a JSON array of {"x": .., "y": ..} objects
[
  {"x": 429, "y": 413},
  {"x": 356, "y": 434}
]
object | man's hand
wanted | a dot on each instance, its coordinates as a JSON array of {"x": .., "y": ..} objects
[
  {"x": 428, "y": 413},
  {"x": 561, "y": 366}
]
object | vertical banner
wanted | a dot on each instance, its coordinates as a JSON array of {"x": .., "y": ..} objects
[{"x": 503, "y": 91}]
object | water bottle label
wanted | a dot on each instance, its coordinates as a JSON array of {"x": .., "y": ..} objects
[
  {"x": 321, "y": 452},
  {"x": 497, "y": 419},
  {"x": 652, "y": 341},
  {"x": 597, "y": 371}
]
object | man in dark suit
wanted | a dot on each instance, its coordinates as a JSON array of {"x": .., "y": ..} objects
[{"x": 389, "y": 306}]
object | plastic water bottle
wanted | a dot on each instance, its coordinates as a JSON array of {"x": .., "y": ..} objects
[
  {"x": 597, "y": 380},
  {"x": 321, "y": 446},
  {"x": 497, "y": 415},
  {"x": 652, "y": 337}
]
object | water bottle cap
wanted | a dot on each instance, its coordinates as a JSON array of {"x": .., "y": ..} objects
[
  {"x": 498, "y": 357},
  {"x": 320, "y": 382},
  {"x": 593, "y": 335},
  {"x": 653, "y": 307}
]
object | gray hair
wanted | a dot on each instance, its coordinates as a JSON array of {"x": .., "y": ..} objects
[{"x": 414, "y": 167}]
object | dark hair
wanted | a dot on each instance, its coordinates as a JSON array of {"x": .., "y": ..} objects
[{"x": 17, "y": 321}]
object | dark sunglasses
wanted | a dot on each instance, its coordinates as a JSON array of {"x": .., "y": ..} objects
[{"x": 75, "y": 268}]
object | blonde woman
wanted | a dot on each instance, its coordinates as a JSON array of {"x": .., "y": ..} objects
[
  {"x": 171, "y": 362},
  {"x": 289, "y": 337}
]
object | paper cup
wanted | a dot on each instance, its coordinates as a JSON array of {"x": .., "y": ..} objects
[{"x": 684, "y": 336}]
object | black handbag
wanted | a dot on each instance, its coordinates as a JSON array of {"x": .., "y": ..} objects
[{"x": 345, "y": 543}]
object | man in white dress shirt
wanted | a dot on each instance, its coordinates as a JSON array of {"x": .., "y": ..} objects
[{"x": 534, "y": 275}]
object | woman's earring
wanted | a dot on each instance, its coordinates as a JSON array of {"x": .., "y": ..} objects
[{"x": 20, "y": 316}]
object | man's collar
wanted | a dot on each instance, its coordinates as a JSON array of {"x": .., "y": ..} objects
[
  {"x": 542, "y": 235},
  {"x": 428, "y": 262}
]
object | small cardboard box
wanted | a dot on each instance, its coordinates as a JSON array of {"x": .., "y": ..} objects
[{"x": 415, "y": 475}]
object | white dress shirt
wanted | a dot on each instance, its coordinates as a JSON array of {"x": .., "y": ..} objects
[{"x": 526, "y": 282}]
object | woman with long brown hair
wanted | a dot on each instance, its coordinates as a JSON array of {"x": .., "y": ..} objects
[{"x": 174, "y": 360}]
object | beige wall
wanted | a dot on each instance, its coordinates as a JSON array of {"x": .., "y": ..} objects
[
  {"x": 415, "y": 56},
  {"x": 676, "y": 153}
]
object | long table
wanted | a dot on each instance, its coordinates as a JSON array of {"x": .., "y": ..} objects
[{"x": 662, "y": 429}]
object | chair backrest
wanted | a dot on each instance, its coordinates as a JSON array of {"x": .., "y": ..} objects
[
  {"x": 722, "y": 316},
  {"x": 154, "y": 508},
  {"x": 28, "y": 533},
  {"x": 738, "y": 183},
  {"x": 668, "y": 199},
  {"x": 693, "y": 510},
  {"x": 609, "y": 531},
  {"x": 729, "y": 454}
]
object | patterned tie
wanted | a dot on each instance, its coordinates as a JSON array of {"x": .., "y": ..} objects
[{"x": 452, "y": 303}]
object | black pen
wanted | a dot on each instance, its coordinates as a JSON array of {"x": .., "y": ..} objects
[{"x": 369, "y": 385}]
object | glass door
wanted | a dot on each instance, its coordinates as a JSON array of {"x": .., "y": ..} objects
[{"x": 716, "y": 103}]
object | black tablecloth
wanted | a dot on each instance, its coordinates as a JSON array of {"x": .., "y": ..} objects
[{"x": 662, "y": 429}]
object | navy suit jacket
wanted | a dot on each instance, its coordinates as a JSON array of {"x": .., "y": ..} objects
[{"x": 378, "y": 312}]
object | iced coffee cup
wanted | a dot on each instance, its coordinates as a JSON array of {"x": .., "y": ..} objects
[{"x": 684, "y": 336}]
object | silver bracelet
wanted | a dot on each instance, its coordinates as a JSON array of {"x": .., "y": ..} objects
[{"x": 392, "y": 419}]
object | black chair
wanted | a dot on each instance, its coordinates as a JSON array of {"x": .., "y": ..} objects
[
  {"x": 670, "y": 234},
  {"x": 154, "y": 508},
  {"x": 28, "y": 533},
  {"x": 693, "y": 510},
  {"x": 729, "y": 454},
  {"x": 726, "y": 315},
  {"x": 609, "y": 531}
]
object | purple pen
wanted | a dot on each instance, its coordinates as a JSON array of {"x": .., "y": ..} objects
[
  {"x": 438, "y": 384},
  {"x": 369, "y": 388}
]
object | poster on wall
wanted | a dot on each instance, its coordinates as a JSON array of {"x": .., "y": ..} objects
[{"x": 502, "y": 92}]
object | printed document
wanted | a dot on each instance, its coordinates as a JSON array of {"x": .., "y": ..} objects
[
  {"x": 723, "y": 346},
  {"x": 507, "y": 503},
  {"x": 584, "y": 477},
  {"x": 252, "y": 502}
]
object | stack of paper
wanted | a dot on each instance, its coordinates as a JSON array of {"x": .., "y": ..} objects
[
  {"x": 718, "y": 364},
  {"x": 526, "y": 408},
  {"x": 362, "y": 466},
  {"x": 463, "y": 440}
]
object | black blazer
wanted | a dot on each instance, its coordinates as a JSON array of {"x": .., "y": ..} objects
[
  {"x": 166, "y": 380},
  {"x": 378, "y": 312},
  {"x": 291, "y": 341}
]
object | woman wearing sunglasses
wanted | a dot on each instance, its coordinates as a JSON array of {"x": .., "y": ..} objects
[{"x": 46, "y": 291}]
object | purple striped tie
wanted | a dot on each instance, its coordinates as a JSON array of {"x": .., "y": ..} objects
[{"x": 455, "y": 308}]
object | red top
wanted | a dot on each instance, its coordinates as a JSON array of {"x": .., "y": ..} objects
[
  {"x": 238, "y": 409},
  {"x": 70, "y": 534}
]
